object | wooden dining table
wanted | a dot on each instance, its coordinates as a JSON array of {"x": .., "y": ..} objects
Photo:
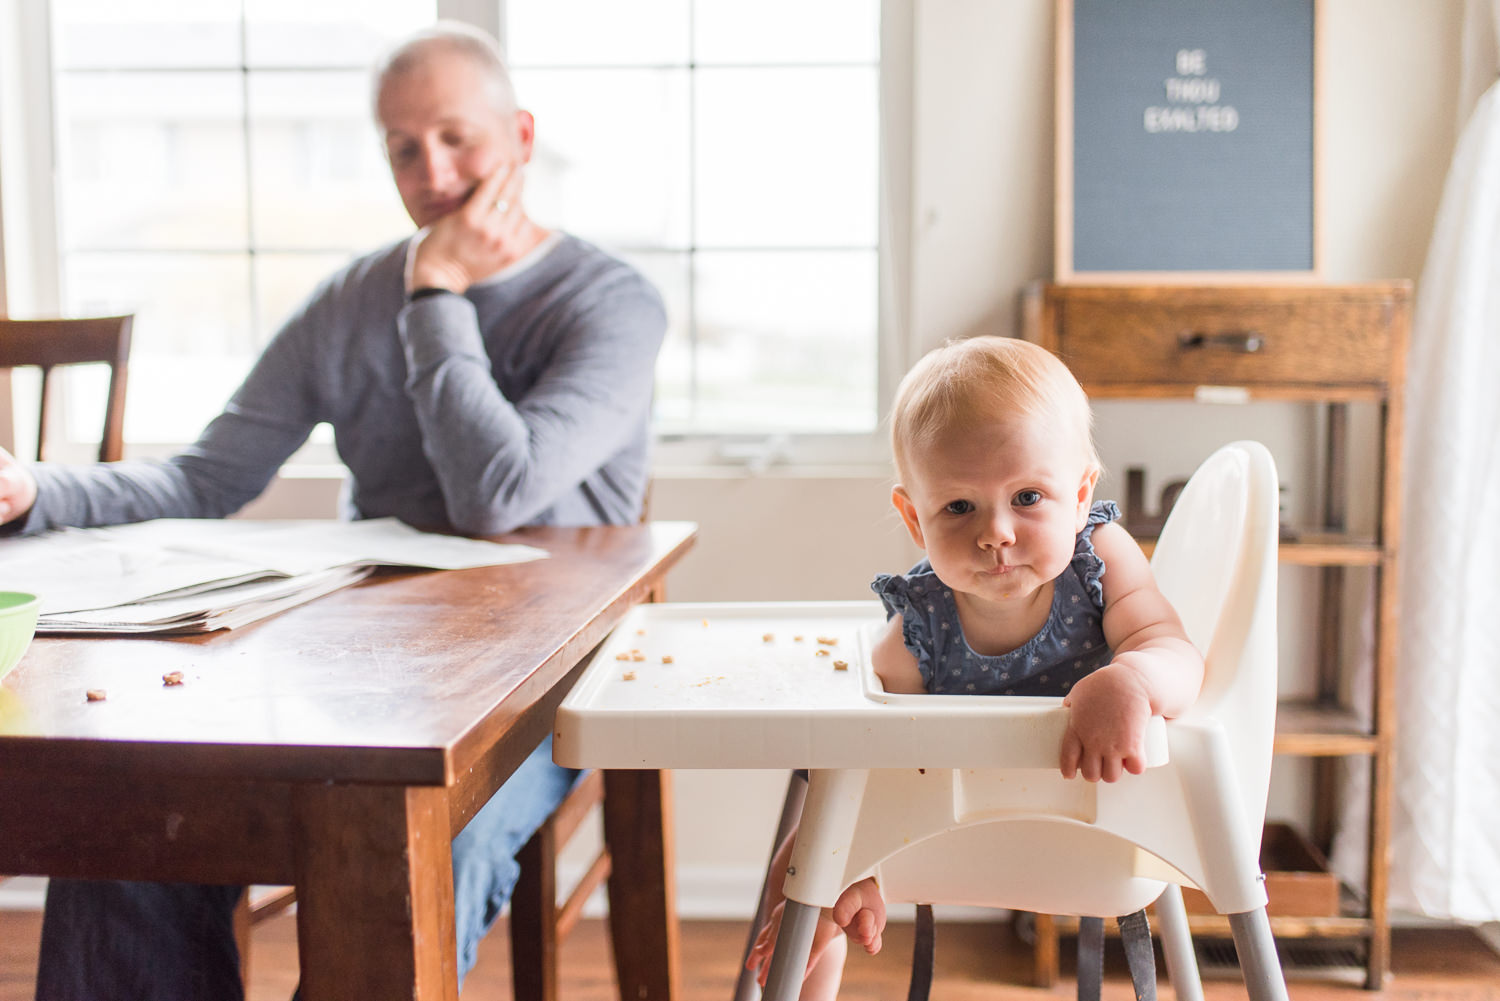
[{"x": 339, "y": 747}]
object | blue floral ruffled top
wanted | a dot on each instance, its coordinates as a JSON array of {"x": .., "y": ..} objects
[{"x": 1068, "y": 646}]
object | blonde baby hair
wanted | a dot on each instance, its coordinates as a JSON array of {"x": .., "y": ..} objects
[{"x": 980, "y": 377}]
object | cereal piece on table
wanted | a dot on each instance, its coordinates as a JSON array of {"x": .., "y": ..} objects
[
  {"x": 622, "y": 655},
  {"x": 841, "y": 665},
  {"x": 796, "y": 639},
  {"x": 95, "y": 695},
  {"x": 705, "y": 623},
  {"x": 628, "y": 676},
  {"x": 637, "y": 656},
  {"x": 666, "y": 658},
  {"x": 172, "y": 678},
  {"x": 828, "y": 640},
  {"x": 768, "y": 637},
  {"x": 820, "y": 653}
]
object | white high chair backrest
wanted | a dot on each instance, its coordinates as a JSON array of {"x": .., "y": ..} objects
[{"x": 1216, "y": 562}]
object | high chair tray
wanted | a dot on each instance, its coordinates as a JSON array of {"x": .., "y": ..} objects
[{"x": 784, "y": 685}]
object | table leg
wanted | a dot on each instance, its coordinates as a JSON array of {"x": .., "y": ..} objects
[
  {"x": 642, "y": 884},
  {"x": 375, "y": 893}
]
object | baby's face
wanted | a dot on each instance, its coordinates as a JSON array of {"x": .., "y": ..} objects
[{"x": 998, "y": 505}]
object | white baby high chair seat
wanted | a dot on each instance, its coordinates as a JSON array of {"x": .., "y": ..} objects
[{"x": 957, "y": 799}]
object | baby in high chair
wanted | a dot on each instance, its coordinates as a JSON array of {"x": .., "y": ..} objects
[{"x": 1029, "y": 587}]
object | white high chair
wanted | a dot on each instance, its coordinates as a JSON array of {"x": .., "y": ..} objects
[
  {"x": 958, "y": 799},
  {"x": 1023, "y": 837}
]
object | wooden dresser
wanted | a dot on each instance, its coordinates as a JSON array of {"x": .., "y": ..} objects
[{"x": 1328, "y": 347}]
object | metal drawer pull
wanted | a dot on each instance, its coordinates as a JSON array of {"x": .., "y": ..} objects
[{"x": 1241, "y": 341}]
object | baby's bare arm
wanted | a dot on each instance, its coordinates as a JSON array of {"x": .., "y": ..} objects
[
  {"x": 1156, "y": 671},
  {"x": 895, "y": 665}
]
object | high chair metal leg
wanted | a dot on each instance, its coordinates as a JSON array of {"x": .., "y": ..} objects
[
  {"x": 1177, "y": 945},
  {"x": 793, "y": 946},
  {"x": 1090, "y": 958},
  {"x": 1259, "y": 964},
  {"x": 745, "y": 987}
]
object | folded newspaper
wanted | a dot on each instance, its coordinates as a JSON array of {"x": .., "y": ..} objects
[{"x": 200, "y": 575}]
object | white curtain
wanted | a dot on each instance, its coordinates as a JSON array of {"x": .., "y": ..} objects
[{"x": 1446, "y": 820}]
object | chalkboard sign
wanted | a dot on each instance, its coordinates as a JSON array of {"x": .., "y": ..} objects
[{"x": 1185, "y": 138}]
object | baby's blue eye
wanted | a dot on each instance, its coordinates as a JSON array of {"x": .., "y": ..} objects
[
  {"x": 1026, "y": 498},
  {"x": 959, "y": 507}
]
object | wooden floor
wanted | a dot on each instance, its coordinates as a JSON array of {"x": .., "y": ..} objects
[{"x": 975, "y": 962}]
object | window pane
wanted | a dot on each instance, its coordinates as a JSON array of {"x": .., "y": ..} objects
[
  {"x": 674, "y": 365},
  {"x": 191, "y": 343},
  {"x": 329, "y": 33},
  {"x": 158, "y": 34},
  {"x": 611, "y": 160},
  {"x": 787, "y": 157},
  {"x": 597, "y": 32},
  {"x": 151, "y": 160},
  {"x": 786, "y": 31},
  {"x": 282, "y": 282},
  {"x": 786, "y": 341},
  {"x": 320, "y": 180}
]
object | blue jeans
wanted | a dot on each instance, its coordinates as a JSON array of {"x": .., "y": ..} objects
[{"x": 126, "y": 941}]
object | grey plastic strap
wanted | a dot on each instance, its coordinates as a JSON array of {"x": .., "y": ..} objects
[
  {"x": 923, "y": 950},
  {"x": 1135, "y": 936}
]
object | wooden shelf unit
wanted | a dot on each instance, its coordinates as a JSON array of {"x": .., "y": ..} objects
[{"x": 1326, "y": 346}]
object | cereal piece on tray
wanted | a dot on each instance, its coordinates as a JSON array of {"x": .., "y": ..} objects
[
  {"x": 172, "y": 679},
  {"x": 841, "y": 665},
  {"x": 95, "y": 695}
]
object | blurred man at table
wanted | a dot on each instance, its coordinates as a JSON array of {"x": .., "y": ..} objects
[{"x": 482, "y": 375}]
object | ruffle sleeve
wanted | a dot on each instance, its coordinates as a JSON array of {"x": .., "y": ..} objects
[
  {"x": 1086, "y": 562},
  {"x": 907, "y": 595}
]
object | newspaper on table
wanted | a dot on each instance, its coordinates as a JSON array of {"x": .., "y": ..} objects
[{"x": 199, "y": 575}]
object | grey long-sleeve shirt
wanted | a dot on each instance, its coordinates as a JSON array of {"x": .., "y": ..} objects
[{"x": 524, "y": 401}]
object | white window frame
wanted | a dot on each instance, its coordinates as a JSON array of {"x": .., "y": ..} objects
[{"x": 29, "y": 259}]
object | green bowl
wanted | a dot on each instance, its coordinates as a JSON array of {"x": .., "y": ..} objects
[{"x": 17, "y": 626}]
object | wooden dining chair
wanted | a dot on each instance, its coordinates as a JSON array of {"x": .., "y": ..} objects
[{"x": 47, "y": 344}]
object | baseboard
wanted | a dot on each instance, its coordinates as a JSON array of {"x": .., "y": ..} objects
[
  {"x": 22, "y": 893},
  {"x": 704, "y": 893}
]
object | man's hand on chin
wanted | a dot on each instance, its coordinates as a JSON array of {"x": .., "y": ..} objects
[{"x": 484, "y": 235}]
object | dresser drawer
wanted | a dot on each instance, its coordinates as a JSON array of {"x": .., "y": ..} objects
[{"x": 1203, "y": 336}]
